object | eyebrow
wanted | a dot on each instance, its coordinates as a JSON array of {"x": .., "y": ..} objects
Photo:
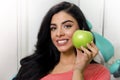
[
  {"x": 63, "y": 22},
  {"x": 67, "y": 21}
]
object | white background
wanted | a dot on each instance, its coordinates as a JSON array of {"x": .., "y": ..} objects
[{"x": 20, "y": 21}]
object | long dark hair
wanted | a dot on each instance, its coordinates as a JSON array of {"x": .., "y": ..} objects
[{"x": 46, "y": 55}]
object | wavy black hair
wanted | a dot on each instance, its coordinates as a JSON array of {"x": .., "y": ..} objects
[{"x": 46, "y": 55}]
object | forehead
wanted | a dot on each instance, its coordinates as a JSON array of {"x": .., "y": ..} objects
[{"x": 62, "y": 16}]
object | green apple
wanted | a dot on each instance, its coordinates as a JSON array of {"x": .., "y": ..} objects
[{"x": 81, "y": 38}]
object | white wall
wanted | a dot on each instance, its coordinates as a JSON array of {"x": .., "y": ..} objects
[
  {"x": 112, "y": 25},
  {"x": 8, "y": 39},
  {"x": 93, "y": 10}
]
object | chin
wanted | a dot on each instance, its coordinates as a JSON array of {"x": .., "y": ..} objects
[
  {"x": 62, "y": 50},
  {"x": 65, "y": 48}
]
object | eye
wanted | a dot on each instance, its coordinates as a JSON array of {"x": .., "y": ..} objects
[
  {"x": 67, "y": 26},
  {"x": 53, "y": 28}
]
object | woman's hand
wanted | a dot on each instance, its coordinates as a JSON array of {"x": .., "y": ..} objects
[{"x": 84, "y": 56}]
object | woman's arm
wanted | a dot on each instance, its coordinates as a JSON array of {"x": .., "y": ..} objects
[
  {"x": 83, "y": 58},
  {"x": 77, "y": 75}
]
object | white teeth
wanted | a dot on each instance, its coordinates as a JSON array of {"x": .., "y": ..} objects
[{"x": 62, "y": 41}]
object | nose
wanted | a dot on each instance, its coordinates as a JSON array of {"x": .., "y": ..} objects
[{"x": 60, "y": 32}]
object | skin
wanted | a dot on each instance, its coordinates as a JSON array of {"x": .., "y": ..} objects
[{"x": 63, "y": 25}]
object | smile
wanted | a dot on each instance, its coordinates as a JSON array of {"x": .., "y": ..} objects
[{"x": 60, "y": 42}]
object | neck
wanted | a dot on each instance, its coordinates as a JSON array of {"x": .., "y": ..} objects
[{"x": 67, "y": 57}]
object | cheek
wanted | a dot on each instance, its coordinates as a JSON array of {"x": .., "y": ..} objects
[
  {"x": 53, "y": 37},
  {"x": 70, "y": 33}
]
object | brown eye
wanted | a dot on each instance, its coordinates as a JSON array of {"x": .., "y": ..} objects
[
  {"x": 67, "y": 26},
  {"x": 53, "y": 28}
]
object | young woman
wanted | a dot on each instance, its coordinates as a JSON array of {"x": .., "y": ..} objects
[{"x": 55, "y": 57}]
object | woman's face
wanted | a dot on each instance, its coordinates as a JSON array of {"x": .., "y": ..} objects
[{"x": 63, "y": 25}]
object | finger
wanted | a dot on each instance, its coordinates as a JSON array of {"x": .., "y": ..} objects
[
  {"x": 86, "y": 52},
  {"x": 93, "y": 48},
  {"x": 79, "y": 50},
  {"x": 93, "y": 45},
  {"x": 81, "y": 53}
]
